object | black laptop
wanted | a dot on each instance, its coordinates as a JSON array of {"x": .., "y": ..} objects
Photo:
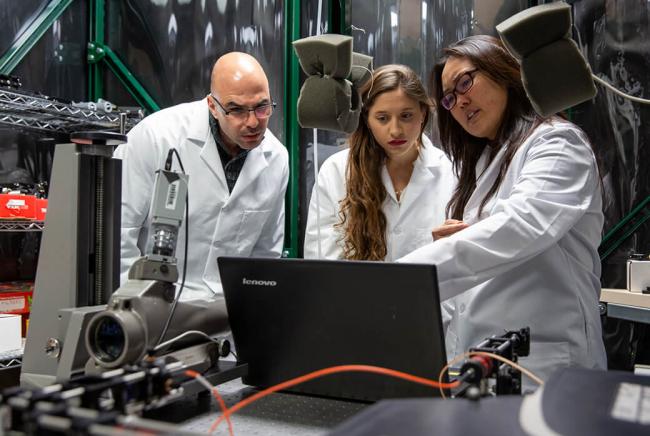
[{"x": 293, "y": 316}]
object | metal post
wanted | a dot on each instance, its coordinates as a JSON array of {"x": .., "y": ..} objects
[
  {"x": 97, "y": 10},
  {"x": 98, "y": 52},
  {"x": 123, "y": 123},
  {"x": 132, "y": 85},
  {"x": 292, "y": 129},
  {"x": 337, "y": 17}
]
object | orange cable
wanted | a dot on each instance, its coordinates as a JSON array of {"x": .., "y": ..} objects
[
  {"x": 327, "y": 371},
  {"x": 216, "y": 395}
]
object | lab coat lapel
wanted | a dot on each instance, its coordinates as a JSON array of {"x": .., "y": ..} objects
[
  {"x": 198, "y": 134},
  {"x": 388, "y": 183},
  {"x": 485, "y": 178},
  {"x": 423, "y": 177},
  {"x": 210, "y": 155}
]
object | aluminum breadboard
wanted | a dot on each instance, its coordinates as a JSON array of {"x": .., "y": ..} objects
[{"x": 277, "y": 414}]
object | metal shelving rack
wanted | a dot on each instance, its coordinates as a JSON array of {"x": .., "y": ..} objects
[
  {"x": 10, "y": 365},
  {"x": 24, "y": 110},
  {"x": 21, "y": 226},
  {"x": 8, "y": 360}
]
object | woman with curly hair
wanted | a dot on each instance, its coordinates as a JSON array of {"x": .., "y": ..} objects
[{"x": 381, "y": 197}]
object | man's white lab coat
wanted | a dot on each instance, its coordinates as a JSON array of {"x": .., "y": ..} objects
[{"x": 247, "y": 222}]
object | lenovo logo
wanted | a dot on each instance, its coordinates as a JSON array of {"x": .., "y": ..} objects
[{"x": 246, "y": 281}]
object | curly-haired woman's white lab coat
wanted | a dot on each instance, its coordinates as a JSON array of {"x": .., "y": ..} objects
[{"x": 408, "y": 223}]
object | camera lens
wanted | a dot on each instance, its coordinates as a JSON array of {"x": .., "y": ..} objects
[{"x": 109, "y": 340}]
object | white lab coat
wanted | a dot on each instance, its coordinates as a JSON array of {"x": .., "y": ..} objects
[
  {"x": 531, "y": 258},
  {"x": 248, "y": 222},
  {"x": 408, "y": 225}
]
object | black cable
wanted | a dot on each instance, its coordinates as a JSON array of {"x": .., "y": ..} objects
[
  {"x": 171, "y": 152},
  {"x": 219, "y": 341},
  {"x": 168, "y": 161},
  {"x": 467, "y": 376}
]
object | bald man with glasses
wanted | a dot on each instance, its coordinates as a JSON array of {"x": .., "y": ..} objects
[{"x": 238, "y": 174}]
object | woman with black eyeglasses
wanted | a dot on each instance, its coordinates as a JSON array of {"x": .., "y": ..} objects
[{"x": 519, "y": 247}]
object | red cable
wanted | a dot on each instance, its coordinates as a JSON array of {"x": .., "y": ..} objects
[
  {"x": 218, "y": 397},
  {"x": 323, "y": 372}
]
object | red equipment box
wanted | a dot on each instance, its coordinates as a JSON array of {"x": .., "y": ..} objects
[
  {"x": 17, "y": 206},
  {"x": 16, "y": 298},
  {"x": 41, "y": 209}
]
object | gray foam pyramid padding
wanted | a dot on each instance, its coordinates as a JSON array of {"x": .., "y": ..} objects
[
  {"x": 328, "y": 104},
  {"x": 327, "y": 100},
  {"x": 361, "y": 69},
  {"x": 556, "y": 77},
  {"x": 327, "y": 54},
  {"x": 554, "y": 73},
  {"x": 533, "y": 28}
]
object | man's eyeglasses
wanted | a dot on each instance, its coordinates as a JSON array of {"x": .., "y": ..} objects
[
  {"x": 241, "y": 113},
  {"x": 463, "y": 85}
]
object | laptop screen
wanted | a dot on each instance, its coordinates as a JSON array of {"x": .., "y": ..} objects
[{"x": 293, "y": 316}]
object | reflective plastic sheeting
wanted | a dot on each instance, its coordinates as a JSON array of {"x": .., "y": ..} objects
[
  {"x": 413, "y": 32},
  {"x": 56, "y": 65},
  {"x": 615, "y": 38},
  {"x": 171, "y": 45},
  {"x": 15, "y": 17}
]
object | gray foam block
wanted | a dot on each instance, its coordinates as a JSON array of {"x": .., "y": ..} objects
[
  {"x": 557, "y": 77},
  {"x": 361, "y": 69},
  {"x": 535, "y": 27},
  {"x": 327, "y": 54},
  {"x": 328, "y": 104}
]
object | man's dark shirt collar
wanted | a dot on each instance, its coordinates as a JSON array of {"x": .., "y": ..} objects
[{"x": 232, "y": 166}]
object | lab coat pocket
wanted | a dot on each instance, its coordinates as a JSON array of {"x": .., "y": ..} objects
[
  {"x": 250, "y": 227},
  {"x": 545, "y": 358}
]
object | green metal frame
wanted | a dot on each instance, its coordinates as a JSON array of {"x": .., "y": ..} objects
[
  {"x": 336, "y": 23},
  {"x": 338, "y": 11},
  {"x": 28, "y": 39},
  {"x": 607, "y": 248},
  {"x": 291, "y": 128},
  {"x": 98, "y": 52},
  {"x": 96, "y": 28}
]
